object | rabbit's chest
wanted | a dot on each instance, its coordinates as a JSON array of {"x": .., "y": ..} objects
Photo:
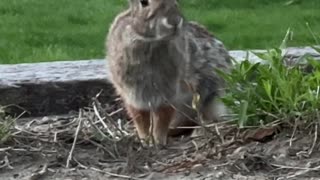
[
  {"x": 148, "y": 74},
  {"x": 146, "y": 64},
  {"x": 151, "y": 74}
]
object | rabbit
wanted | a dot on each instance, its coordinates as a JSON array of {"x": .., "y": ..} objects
[{"x": 158, "y": 60}]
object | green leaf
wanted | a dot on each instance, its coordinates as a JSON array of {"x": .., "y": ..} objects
[
  {"x": 286, "y": 38},
  {"x": 316, "y": 48},
  {"x": 263, "y": 56},
  {"x": 267, "y": 88},
  {"x": 243, "y": 118}
]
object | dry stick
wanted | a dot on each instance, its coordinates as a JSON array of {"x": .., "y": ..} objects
[
  {"x": 75, "y": 140},
  {"x": 296, "y": 168},
  {"x": 6, "y": 163},
  {"x": 74, "y": 119},
  {"x": 105, "y": 172},
  {"x": 219, "y": 134},
  {"x": 113, "y": 174},
  {"x": 37, "y": 175},
  {"x": 314, "y": 140},
  {"x": 101, "y": 120},
  {"x": 115, "y": 112},
  {"x": 99, "y": 130},
  {"x": 55, "y": 139},
  {"x": 301, "y": 172},
  {"x": 15, "y": 119},
  {"x": 191, "y": 119},
  {"x": 104, "y": 148},
  {"x": 17, "y": 106},
  {"x": 109, "y": 118},
  {"x": 5, "y": 149},
  {"x": 207, "y": 126},
  {"x": 293, "y": 133}
]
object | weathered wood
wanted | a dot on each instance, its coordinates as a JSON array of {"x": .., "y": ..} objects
[
  {"x": 292, "y": 52},
  {"x": 58, "y": 87},
  {"x": 55, "y": 87}
]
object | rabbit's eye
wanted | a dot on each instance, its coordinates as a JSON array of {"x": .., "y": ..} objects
[{"x": 144, "y": 3}]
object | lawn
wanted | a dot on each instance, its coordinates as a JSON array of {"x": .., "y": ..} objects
[{"x": 47, "y": 30}]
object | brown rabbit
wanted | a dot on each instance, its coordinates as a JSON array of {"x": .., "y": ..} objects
[{"x": 158, "y": 61}]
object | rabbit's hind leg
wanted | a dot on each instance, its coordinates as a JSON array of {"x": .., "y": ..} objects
[{"x": 213, "y": 111}]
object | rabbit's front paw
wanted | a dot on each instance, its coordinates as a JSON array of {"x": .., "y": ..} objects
[{"x": 161, "y": 121}]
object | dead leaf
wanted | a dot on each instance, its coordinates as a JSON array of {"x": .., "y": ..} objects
[{"x": 261, "y": 134}]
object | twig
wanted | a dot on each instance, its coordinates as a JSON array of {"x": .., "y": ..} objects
[
  {"x": 301, "y": 172},
  {"x": 37, "y": 175},
  {"x": 113, "y": 174},
  {"x": 195, "y": 145},
  {"x": 5, "y": 149},
  {"x": 55, "y": 137},
  {"x": 17, "y": 106},
  {"x": 207, "y": 126},
  {"x": 293, "y": 133},
  {"x": 6, "y": 163},
  {"x": 68, "y": 124},
  {"x": 314, "y": 140},
  {"x": 75, "y": 140},
  {"x": 105, "y": 172},
  {"x": 23, "y": 130},
  {"x": 296, "y": 168},
  {"x": 101, "y": 120},
  {"x": 29, "y": 149},
  {"x": 108, "y": 118},
  {"x": 104, "y": 148},
  {"x": 99, "y": 130},
  {"x": 219, "y": 134},
  {"x": 115, "y": 112},
  {"x": 193, "y": 120}
]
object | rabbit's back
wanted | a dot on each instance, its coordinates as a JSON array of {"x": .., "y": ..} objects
[{"x": 207, "y": 53}]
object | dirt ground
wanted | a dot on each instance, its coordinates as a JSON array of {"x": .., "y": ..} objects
[{"x": 91, "y": 145}]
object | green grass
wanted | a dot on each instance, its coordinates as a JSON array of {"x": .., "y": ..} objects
[
  {"x": 47, "y": 30},
  {"x": 261, "y": 93},
  {"x": 6, "y": 123}
]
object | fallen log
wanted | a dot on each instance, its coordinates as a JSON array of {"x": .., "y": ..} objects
[{"x": 50, "y": 88}]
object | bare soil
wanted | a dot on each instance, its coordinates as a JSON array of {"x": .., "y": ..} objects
[{"x": 90, "y": 144}]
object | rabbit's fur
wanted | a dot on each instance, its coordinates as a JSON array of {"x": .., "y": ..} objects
[{"x": 158, "y": 61}]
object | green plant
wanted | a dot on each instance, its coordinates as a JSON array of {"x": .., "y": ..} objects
[
  {"x": 263, "y": 92},
  {"x": 5, "y": 125}
]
